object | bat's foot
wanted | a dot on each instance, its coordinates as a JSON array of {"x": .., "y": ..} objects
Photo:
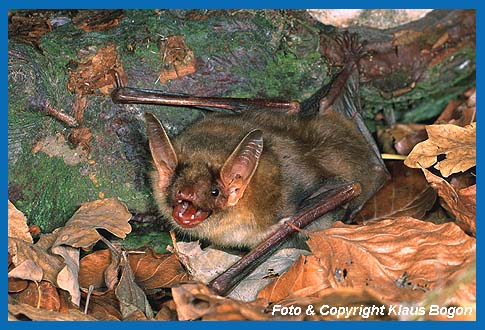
[{"x": 351, "y": 49}]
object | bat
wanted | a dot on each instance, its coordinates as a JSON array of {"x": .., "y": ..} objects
[{"x": 234, "y": 179}]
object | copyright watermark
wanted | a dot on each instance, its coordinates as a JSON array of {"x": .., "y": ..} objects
[{"x": 346, "y": 312}]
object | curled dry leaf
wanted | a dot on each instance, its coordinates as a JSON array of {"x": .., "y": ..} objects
[
  {"x": 67, "y": 278},
  {"x": 458, "y": 144},
  {"x": 196, "y": 301},
  {"x": 80, "y": 231},
  {"x": 396, "y": 260},
  {"x": 460, "y": 202},
  {"x": 406, "y": 194},
  {"x": 50, "y": 264},
  {"x": 17, "y": 224}
]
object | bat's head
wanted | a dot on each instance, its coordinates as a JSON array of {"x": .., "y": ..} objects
[{"x": 193, "y": 187}]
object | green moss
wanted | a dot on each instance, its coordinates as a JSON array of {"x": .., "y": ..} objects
[
  {"x": 155, "y": 239},
  {"x": 50, "y": 189}
]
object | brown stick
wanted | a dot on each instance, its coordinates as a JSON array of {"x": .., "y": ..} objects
[
  {"x": 143, "y": 96},
  {"x": 225, "y": 282}
]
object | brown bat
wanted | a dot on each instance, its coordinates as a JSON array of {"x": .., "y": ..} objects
[
  {"x": 234, "y": 179},
  {"x": 230, "y": 179}
]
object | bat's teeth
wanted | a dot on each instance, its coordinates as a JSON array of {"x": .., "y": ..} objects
[
  {"x": 179, "y": 201},
  {"x": 192, "y": 217}
]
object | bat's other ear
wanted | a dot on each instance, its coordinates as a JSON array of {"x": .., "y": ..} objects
[
  {"x": 162, "y": 151},
  {"x": 239, "y": 168}
]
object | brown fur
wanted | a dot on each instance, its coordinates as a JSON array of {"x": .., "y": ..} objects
[{"x": 298, "y": 154}]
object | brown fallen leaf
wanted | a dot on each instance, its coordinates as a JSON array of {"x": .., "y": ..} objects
[
  {"x": 37, "y": 314},
  {"x": 303, "y": 279},
  {"x": 80, "y": 231},
  {"x": 27, "y": 270},
  {"x": 196, "y": 301},
  {"x": 396, "y": 260},
  {"x": 177, "y": 59},
  {"x": 42, "y": 295},
  {"x": 103, "y": 306},
  {"x": 67, "y": 278},
  {"x": 204, "y": 265},
  {"x": 406, "y": 194},
  {"x": 460, "y": 112},
  {"x": 456, "y": 143},
  {"x": 22, "y": 251},
  {"x": 94, "y": 72},
  {"x": 129, "y": 294},
  {"x": 17, "y": 224},
  {"x": 92, "y": 268},
  {"x": 459, "y": 202},
  {"x": 16, "y": 285},
  {"x": 155, "y": 271}
]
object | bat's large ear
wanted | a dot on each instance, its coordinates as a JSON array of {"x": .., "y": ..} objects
[
  {"x": 241, "y": 165},
  {"x": 163, "y": 154}
]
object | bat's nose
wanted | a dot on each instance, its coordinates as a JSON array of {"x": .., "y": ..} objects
[{"x": 186, "y": 193}]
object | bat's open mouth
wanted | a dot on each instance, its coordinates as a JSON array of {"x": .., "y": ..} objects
[{"x": 187, "y": 214}]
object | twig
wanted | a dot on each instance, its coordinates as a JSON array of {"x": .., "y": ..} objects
[{"x": 225, "y": 282}]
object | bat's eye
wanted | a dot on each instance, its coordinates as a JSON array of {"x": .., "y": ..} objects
[{"x": 215, "y": 192}]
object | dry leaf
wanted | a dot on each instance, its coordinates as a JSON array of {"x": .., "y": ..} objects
[
  {"x": 67, "y": 278},
  {"x": 27, "y": 270},
  {"x": 42, "y": 295},
  {"x": 38, "y": 314},
  {"x": 56, "y": 146},
  {"x": 17, "y": 224},
  {"x": 153, "y": 270},
  {"x": 177, "y": 59},
  {"x": 196, "y": 301},
  {"x": 399, "y": 259},
  {"x": 21, "y": 251},
  {"x": 457, "y": 143},
  {"x": 305, "y": 278},
  {"x": 94, "y": 72},
  {"x": 206, "y": 264},
  {"x": 460, "y": 202},
  {"x": 129, "y": 294},
  {"x": 395, "y": 260},
  {"x": 80, "y": 230},
  {"x": 103, "y": 306},
  {"x": 92, "y": 268},
  {"x": 406, "y": 194}
]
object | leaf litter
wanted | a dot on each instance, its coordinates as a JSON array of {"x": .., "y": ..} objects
[{"x": 391, "y": 257}]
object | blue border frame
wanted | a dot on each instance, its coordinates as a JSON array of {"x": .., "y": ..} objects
[{"x": 91, "y": 4}]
